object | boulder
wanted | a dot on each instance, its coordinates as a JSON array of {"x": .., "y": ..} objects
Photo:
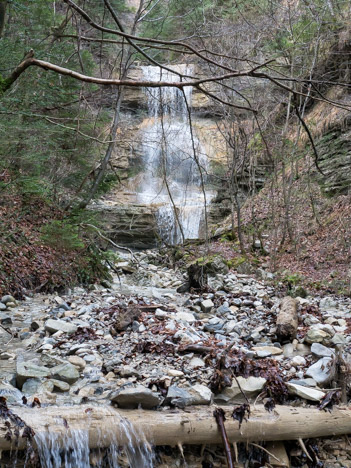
[
  {"x": 133, "y": 397},
  {"x": 66, "y": 372},
  {"x": 37, "y": 386},
  {"x": 320, "y": 350},
  {"x": 7, "y": 298},
  {"x": 53, "y": 326},
  {"x": 251, "y": 386},
  {"x": 315, "y": 335},
  {"x": 29, "y": 370},
  {"x": 12, "y": 394},
  {"x": 322, "y": 371}
]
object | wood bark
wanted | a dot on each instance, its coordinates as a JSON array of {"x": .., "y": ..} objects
[
  {"x": 287, "y": 320},
  {"x": 194, "y": 426}
]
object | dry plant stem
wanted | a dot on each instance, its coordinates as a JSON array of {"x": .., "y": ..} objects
[
  {"x": 220, "y": 418},
  {"x": 265, "y": 450},
  {"x": 303, "y": 446}
]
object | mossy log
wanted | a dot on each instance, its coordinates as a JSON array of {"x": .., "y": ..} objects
[{"x": 194, "y": 426}]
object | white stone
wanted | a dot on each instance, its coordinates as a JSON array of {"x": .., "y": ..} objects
[{"x": 311, "y": 394}]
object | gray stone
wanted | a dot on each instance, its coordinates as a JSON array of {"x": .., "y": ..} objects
[
  {"x": 134, "y": 397},
  {"x": 60, "y": 385},
  {"x": 29, "y": 370},
  {"x": 207, "y": 306},
  {"x": 66, "y": 372},
  {"x": 6, "y": 299},
  {"x": 251, "y": 386},
  {"x": 200, "y": 395},
  {"x": 2, "y": 306},
  {"x": 315, "y": 335},
  {"x": 223, "y": 309},
  {"x": 307, "y": 393},
  {"x": 196, "y": 362},
  {"x": 179, "y": 397},
  {"x": 304, "y": 382},
  {"x": 322, "y": 371},
  {"x": 338, "y": 339},
  {"x": 37, "y": 386},
  {"x": 214, "y": 327},
  {"x": 320, "y": 350},
  {"x": 78, "y": 362},
  {"x": 12, "y": 394},
  {"x": 185, "y": 317},
  {"x": 265, "y": 351},
  {"x": 5, "y": 320},
  {"x": 53, "y": 326}
]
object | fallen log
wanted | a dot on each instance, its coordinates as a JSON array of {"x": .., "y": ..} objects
[
  {"x": 106, "y": 425},
  {"x": 287, "y": 320}
]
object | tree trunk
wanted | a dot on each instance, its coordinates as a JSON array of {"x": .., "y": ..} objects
[
  {"x": 195, "y": 426},
  {"x": 3, "y": 4}
]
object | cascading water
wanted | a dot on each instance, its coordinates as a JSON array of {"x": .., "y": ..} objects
[
  {"x": 174, "y": 163},
  {"x": 72, "y": 451}
]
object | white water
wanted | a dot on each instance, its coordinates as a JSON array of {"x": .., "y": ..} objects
[
  {"x": 73, "y": 451},
  {"x": 173, "y": 160}
]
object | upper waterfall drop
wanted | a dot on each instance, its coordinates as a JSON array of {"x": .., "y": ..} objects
[{"x": 174, "y": 162}]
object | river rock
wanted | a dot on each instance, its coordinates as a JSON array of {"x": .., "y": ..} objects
[
  {"x": 320, "y": 350},
  {"x": 322, "y": 371},
  {"x": 185, "y": 317},
  {"x": 179, "y": 397},
  {"x": 66, "y": 372},
  {"x": 200, "y": 395},
  {"x": 207, "y": 306},
  {"x": 315, "y": 335},
  {"x": 28, "y": 370},
  {"x": 60, "y": 385},
  {"x": 12, "y": 394},
  {"x": 134, "y": 396},
  {"x": 37, "y": 386},
  {"x": 8, "y": 299},
  {"x": 53, "y": 326},
  {"x": 2, "y": 306},
  {"x": 298, "y": 361},
  {"x": 77, "y": 361},
  {"x": 196, "y": 362},
  {"x": 251, "y": 386},
  {"x": 265, "y": 351},
  {"x": 311, "y": 394}
]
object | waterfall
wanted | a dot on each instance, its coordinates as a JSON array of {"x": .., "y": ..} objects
[
  {"x": 171, "y": 172},
  {"x": 73, "y": 450}
]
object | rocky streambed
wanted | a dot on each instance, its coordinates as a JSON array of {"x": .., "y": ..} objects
[{"x": 137, "y": 343}]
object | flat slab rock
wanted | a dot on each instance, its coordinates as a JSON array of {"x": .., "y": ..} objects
[
  {"x": 53, "y": 326},
  {"x": 134, "y": 397},
  {"x": 29, "y": 370},
  {"x": 311, "y": 394}
]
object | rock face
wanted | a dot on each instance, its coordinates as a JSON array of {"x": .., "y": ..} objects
[
  {"x": 135, "y": 397},
  {"x": 131, "y": 225}
]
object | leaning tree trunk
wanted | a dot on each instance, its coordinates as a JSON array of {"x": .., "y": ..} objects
[{"x": 196, "y": 426}]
